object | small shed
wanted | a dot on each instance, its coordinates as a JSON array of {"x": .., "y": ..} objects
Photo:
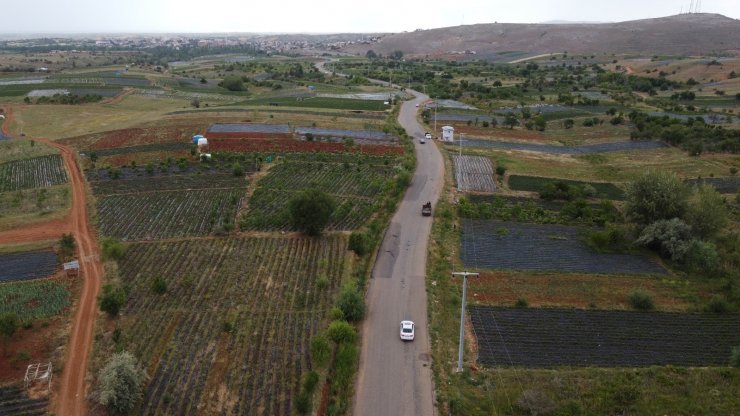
[
  {"x": 196, "y": 138},
  {"x": 72, "y": 268},
  {"x": 448, "y": 134}
]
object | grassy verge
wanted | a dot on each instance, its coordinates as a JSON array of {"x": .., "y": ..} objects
[{"x": 538, "y": 184}]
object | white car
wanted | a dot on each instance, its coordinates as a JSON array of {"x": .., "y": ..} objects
[
  {"x": 428, "y": 136},
  {"x": 407, "y": 331}
]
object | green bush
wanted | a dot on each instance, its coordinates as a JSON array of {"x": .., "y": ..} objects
[
  {"x": 670, "y": 237},
  {"x": 112, "y": 300},
  {"x": 159, "y": 285},
  {"x": 351, "y": 303},
  {"x": 310, "y": 211},
  {"x": 735, "y": 357},
  {"x": 656, "y": 195},
  {"x": 112, "y": 249},
  {"x": 718, "y": 305},
  {"x": 641, "y": 300},
  {"x": 341, "y": 332},
  {"x": 359, "y": 242},
  {"x": 521, "y": 303},
  {"x": 237, "y": 169},
  {"x": 320, "y": 350},
  {"x": 67, "y": 245},
  {"x": 8, "y": 324},
  {"x": 702, "y": 257},
  {"x": 310, "y": 380},
  {"x": 500, "y": 170}
]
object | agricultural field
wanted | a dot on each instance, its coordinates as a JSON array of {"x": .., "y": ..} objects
[
  {"x": 473, "y": 173},
  {"x": 28, "y": 265},
  {"x": 14, "y": 400},
  {"x": 38, "y": 172},
  {"x": 36, "y": 299},
  {"x": 321, "y": 102},
  {"x": 357, "y": 186},
  {"x": 297, "y": 146},
  {"x": 567, "y": 337},
  {"x": 565, "y": 150},
  {"x": 498, "y": 245},
  {"x": 231, "y": 333},
  {"x": 537, "y": 184}
]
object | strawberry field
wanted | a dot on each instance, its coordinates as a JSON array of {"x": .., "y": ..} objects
[
  {"x": 231, "y": 334},
  {"x": 500, "y": 245},
  {"x": 28, "y": 265},
  {"x": 37, "y": 172},
  {"x": 297, "y": 146},
  {"x": 356, "y": 184},
  {"x": 570, "y": 337},
  {"x": 474, "y": 173},
  {"x": 167, "y": 201}
]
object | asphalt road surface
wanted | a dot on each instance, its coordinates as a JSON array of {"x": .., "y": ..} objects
[{"x": 395, "y": 377}]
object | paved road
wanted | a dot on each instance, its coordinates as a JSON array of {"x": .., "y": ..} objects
[{"x": 395, "y": 377}]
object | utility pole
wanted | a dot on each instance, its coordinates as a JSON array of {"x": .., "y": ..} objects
[
  {"x": 435, "y": 118},
  {"x": 462, "y": 136},
  {"x": 462, "y": 317}
]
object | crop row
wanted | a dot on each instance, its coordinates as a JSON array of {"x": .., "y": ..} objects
[
  {"x": 565, "y": 150},
  {"x": 334, "y": 178},
  {"x": 34, "y": 299},
  {"x": 14, "y": 401},
  {"x": 501, "y": 245},
  {"x": 269, "y": 291},
  {"x": 171, "y": 170},
  {"x": 360, "y": 136},
  {"x": 167, "y": 214},
  {"x": 474, "y": 173},
  {"x": 297, "y": 146},
  {"x": 538, "y": 184},
  {"x": 37, "y": 172},
  {"x": 724, "y": 185},
  {"x": 268, "y": 211},
  {"x": 113, "y": 139},
  {"x": 169, "y": 183},
  {"x": 28, "y": 265},
  {"x": 568, "y": 337},
  {"x": 156, "y": 147}
]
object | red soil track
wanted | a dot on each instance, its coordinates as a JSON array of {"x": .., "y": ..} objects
[
  {"x": 8, "y": 112},
  {"x": 72, "y": 397}
]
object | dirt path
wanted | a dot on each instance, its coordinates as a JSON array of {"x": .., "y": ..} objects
[
  {"x": 71, "y": 399},
  {"x": 50, "y": 230},
  {"x": 8, "y": 112}
]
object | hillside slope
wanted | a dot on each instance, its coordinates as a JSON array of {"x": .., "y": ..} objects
[{"x": 685, "y": 34}]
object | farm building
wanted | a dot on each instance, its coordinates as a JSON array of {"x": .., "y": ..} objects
[
  {"x": 448, "y": 134},
  {"x": 249, "y": 130}
]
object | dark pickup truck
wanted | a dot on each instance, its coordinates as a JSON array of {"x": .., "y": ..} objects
[{"x": 426, "y": 209}]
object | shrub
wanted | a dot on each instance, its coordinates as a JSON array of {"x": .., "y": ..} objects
[
  {"x": 8, "y": 324},
  {"x": 707, "y": 211},
  {"x": 67, "y": 245},
  {"x": 521, "y": 303},
  {"x": 120, "y": 383},
  {"x": 500, "y": 170},
  {"x": 641, "y": 300},
  {"x": 112, "y": 300},
  {"x": 656, "y": 195},
  {"x": 359, "y": 242},
  {"x": 159, "y": 285},
  {"x": 535, "y": 402},
  {"x": 702, "y": 257},
  {"x": 341, "y": 332},
  {"x": 717, "y": 305},
  {"x": 320, "y": 350},
  {"x": 322, "y": 282},
  {"x": 237, "y": 169},
  {"x": 351, "y": 303},
  {"x": 671, "y": 237},
  {"x": 112, "y": 249},
  {"x": 310, "y": 211},
  {"x": 303, "y": 403},
  {"x": 735, "y": 357}
]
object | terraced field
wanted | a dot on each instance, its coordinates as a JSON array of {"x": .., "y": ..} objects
[
  {"x": 518, "y": 246},
  {"x": 569, "y": 337},
  {"x": 266, "y": 289},
  {"x": 474, "y": 173},
  {"x": 37, "y": 172}
]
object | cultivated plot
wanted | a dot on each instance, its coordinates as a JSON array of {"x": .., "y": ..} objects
[
  {"x": 270, "y": 293},
  {"x": 564, "y": 150},
  {"x": 474, "y": 173},
  {"x": 569, "y": 337},
  {"x": 37, "y": 172},
  {"x": 518, "y": 246},
  {"x": 29, "y": 265},
  {"x": 34, "y": 299}
]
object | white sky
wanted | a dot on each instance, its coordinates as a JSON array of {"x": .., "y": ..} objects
[{"x": 322, "y": 16}]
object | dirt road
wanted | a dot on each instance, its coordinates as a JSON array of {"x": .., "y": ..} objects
[
  {"x": 71, "y": 398},
  {"x": 395, "y": 377}
]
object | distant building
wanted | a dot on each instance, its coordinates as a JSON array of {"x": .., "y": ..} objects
[{"x": 448, "y": 134}]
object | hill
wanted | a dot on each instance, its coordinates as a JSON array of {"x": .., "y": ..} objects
[{"x": 685, "y": 34}]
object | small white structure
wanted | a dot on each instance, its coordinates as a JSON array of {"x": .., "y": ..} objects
[
  {"x": 448, "y": 134},
  {"x": 72, "y": 268},
  {"x": 202, "y": 142},
  {"x": 40, "y": 371}
]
